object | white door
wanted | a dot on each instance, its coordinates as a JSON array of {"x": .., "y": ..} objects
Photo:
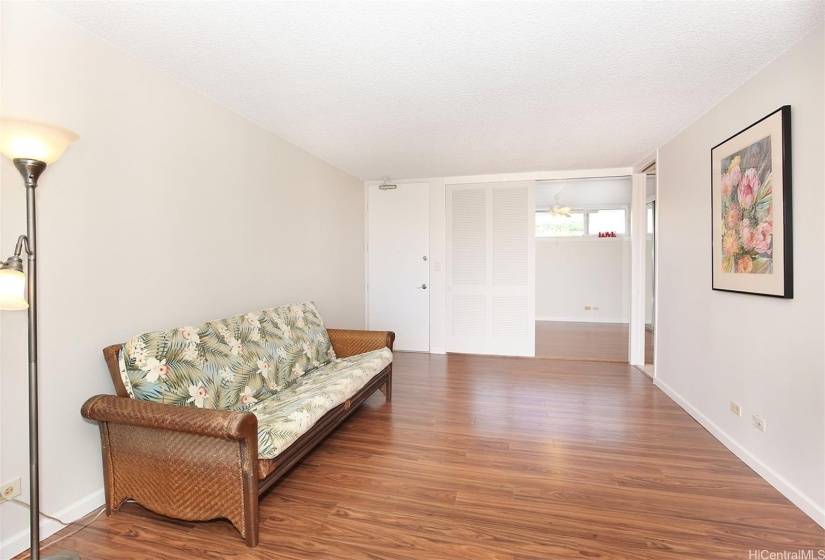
[
  {"x": 399, "y": 269},
  {"x": 491, "y": 268}
]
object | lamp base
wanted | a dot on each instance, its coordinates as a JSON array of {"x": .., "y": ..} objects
[{"x": 62, "y": 556}]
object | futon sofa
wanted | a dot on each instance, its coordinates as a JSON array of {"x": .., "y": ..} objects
[{"x": 207, "y": 417}]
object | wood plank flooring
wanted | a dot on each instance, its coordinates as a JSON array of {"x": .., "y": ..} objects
[
  {"x": 599, "y": 342},
  {"x": 496, "y": 458}
]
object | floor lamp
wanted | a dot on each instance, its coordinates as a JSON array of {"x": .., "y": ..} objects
[{"x": 32, "y": 146}]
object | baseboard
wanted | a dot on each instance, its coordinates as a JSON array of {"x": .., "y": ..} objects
[
  {"x": 15, "y": 544},
  {"x": 799, "y": 499},
  {"x": 583, "y": 320},
  {"x": 434, "y": 350}
]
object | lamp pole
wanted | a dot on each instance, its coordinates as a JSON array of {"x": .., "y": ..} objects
[{"x": 31, "y": 169}]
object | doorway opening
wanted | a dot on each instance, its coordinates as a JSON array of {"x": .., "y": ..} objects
[{"x": 583, "y": 268}]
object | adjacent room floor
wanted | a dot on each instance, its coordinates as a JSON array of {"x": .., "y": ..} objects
[
  {"x": 599, "y": 342},
  {"x": 506, "y": 458}
]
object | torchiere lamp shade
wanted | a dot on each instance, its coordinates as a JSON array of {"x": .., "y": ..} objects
[{"x": 25, "y": 139}]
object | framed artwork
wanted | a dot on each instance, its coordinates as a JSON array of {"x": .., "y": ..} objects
[{"x": 751, "y": 204}]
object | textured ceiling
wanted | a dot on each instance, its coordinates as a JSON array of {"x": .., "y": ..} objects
[{"x": 428, "y": 89}]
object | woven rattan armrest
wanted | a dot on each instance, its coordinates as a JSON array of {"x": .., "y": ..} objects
[
  {"x": 140, "y": 440},
  {"x": 199, "y": 421},
  {"x": 351, "y": 342}
]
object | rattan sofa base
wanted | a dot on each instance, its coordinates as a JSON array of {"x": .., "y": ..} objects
[{"x": 197, "y": 464}]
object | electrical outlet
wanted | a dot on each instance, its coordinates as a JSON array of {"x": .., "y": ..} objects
[
  {"x": 10, "y": 489},
  {"x": 759, "y": 422},
  {"x": 736, "y": 408},
  {"x": 587, "y": 308},
  {"x": 595, "y": 309}
]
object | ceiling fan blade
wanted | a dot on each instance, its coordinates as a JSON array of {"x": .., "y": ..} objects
[{"x": 557, "y": 210}]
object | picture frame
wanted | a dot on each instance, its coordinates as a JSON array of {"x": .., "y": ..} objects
[{"x": 752, "y": 224}]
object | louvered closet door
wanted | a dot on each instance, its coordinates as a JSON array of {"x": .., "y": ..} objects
[{"x": 491, "y": 268}]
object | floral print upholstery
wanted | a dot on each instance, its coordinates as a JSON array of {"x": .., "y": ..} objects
[
  {"x": 228, "y": 364},
  {"x": 286, "y": 416}
]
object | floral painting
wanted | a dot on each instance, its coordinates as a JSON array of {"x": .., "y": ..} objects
[
  {"x": 751, "y": 195},
  {"x": 747, "y": 211}
]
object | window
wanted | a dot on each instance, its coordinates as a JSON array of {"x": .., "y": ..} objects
[
  {"x": 548, "y": 225},
  {"x": 603, "y": 221},
  {"x": 582, "y": 222}
]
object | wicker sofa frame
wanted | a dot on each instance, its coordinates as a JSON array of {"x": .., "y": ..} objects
[{"x": 152, "y": 452}]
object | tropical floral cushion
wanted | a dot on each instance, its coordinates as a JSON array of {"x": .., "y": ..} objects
[
  {"x": 284, "y": 417},
  {"x": 228, "y": 364},
  {"x": 304, "y": 344}
]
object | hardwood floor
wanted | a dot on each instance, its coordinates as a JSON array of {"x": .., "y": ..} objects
[
  {"x": 593, "y": 342},
  {"x": 567, "y": 340},
  {"x": 496, "y": 458}
]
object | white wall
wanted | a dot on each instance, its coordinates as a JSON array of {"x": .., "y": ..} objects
[
  {"x": 169, "y": 210},
  {"x": 765, "y": 353},
  {"x": 574, "y": 272}
]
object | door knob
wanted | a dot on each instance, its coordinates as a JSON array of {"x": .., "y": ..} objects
[{"x": 421, "y": 287}]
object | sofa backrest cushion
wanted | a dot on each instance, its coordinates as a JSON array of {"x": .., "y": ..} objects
[{"x": 228, "y": 364}]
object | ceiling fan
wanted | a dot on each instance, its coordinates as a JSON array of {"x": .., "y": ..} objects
[{"x": 558, "y": 209}]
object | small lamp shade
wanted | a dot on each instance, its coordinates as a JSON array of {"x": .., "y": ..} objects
[
  {"x": 12, "y": 288},
  {"x": 20, "y": 138}
]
